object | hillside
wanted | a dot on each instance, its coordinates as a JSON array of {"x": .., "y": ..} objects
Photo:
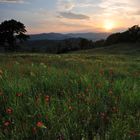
[
  {"x": 122, "y": 48},
  {"x": 71, "y": 95}
]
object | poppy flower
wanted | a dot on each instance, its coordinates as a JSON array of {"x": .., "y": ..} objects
[
  {"x": 7, "y": 123},
  {"x": 9, "y": 110},
  {"x": 19, "y": 94},
  {"x": 40, "y": 124}
]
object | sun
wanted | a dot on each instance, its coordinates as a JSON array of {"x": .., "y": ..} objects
[{"x": 109, "y": 25}]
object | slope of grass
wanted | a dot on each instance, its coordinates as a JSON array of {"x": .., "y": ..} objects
[
  {"x": 81, "y": 96},
  {"x": 123, "y": 48}
]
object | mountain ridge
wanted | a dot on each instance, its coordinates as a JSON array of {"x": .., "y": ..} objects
[{"x": 61, "y": 36}]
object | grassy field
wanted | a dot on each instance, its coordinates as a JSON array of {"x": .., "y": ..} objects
[{"x": 87, "y": 95}]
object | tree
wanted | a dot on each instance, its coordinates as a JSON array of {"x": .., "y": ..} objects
[
  {"x": 131, "y": 35},
  {"x": 12, "y": 31},
  {"x": 134, "y": 33}
]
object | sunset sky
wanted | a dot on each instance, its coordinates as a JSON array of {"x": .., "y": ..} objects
[{"x": 72, "y": 15}]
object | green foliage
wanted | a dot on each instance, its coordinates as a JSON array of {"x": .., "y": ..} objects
[{"x": 69, "y": 97}]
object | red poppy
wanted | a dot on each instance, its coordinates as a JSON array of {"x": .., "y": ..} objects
[
  {"x": 9, "y": 110},
  {"x": 7, "y": 123},
  {"x": 19, "y": 94},
  {"x": 39, "y": 124}
]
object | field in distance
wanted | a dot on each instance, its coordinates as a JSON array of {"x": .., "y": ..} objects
[{"x": 85, "y": 95}]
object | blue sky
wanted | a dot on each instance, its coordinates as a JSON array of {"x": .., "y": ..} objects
[{"x": 72, "y": 15}]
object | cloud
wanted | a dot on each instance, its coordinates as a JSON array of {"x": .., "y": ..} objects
[
  {"x": 11, "y": 1},
  {"x": 137, "y": 13},
  {"x": 70, "y": 15},
  {"x": 67, "y": 5}
]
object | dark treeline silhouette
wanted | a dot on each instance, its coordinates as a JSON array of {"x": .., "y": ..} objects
[
  {"x": 13, "y": 37},
  {"x": 11, "y": 32},
  {"x": 57, "y": 46},
  {"x": 131, "y": 35}
]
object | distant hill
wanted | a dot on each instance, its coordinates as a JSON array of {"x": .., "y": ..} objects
[
  {"x": 49, "y": 36},
  {"x": 90, "y": 35},
  {"x": 120, "y": 48},
  {"x": 59, "y": 36}
]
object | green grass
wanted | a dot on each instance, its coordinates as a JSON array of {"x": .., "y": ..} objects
[{"x": 79, "y": 96}]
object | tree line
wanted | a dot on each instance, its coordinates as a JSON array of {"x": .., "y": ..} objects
[{"x": 12, "y": 35}]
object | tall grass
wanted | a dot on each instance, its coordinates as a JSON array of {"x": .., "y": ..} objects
[{"x": 69, "y": 97}]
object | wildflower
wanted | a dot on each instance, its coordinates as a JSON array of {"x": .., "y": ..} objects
[
  {"x": 47, "y": 98},
  {"x": 41, "y": 125},
  {"x": 7, "y": 123},
  {"x": 19, "y": 94},
  {"x": 9, "y": 110}
]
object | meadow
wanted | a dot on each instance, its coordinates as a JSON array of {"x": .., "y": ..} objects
[{"x": 75, "y": 96}]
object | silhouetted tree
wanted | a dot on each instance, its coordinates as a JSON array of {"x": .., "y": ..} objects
[
  {"x": 12, "y": 31},
  {"x": 131, "y": 35},
  {"x": 134, "y": 33}
]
